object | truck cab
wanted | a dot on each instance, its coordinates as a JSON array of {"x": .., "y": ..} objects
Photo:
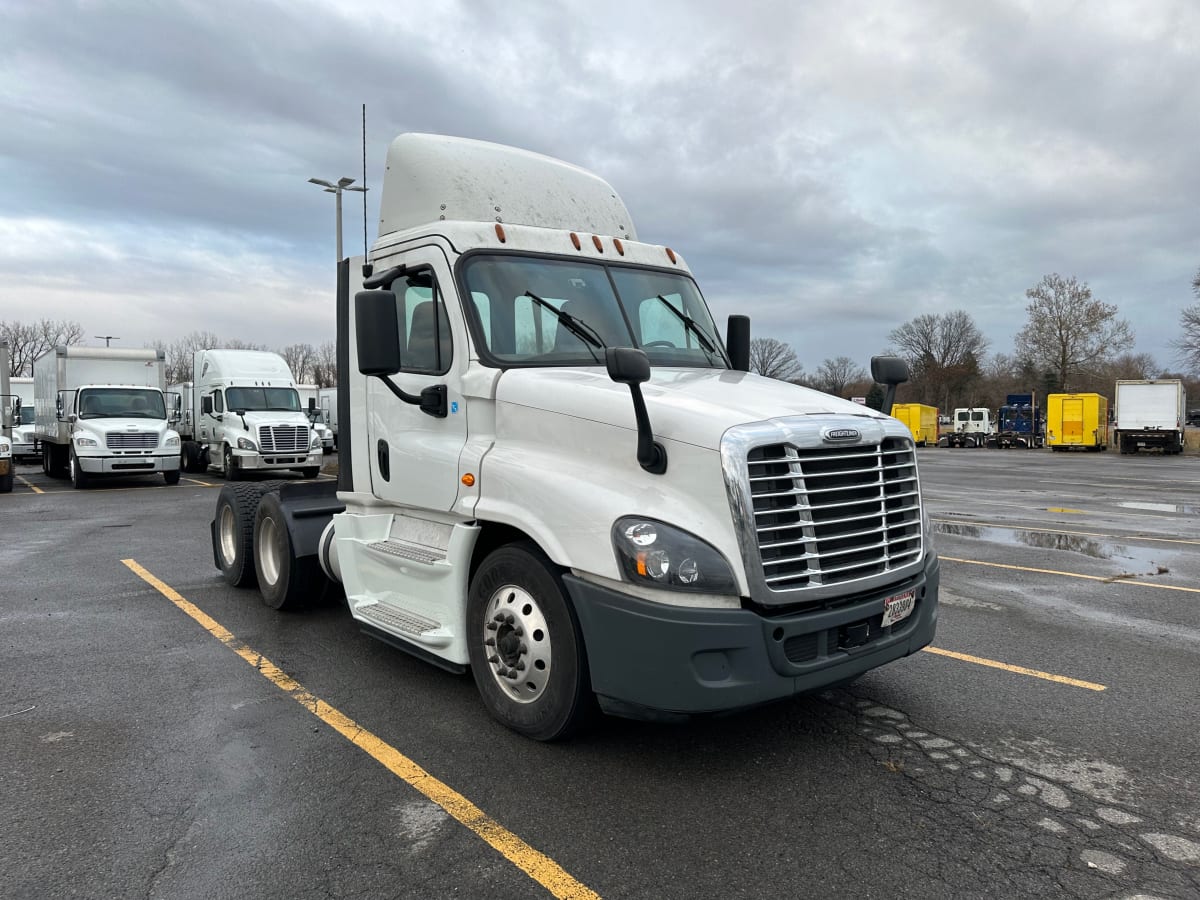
[
  {"x": 248, "y": 417},
  {"x": 971, "y": 427},
  {"x": 9, "y": 406},
  {"x": 23, "y": 441},
  {"x": 556, "y": 475},
  {"x": 310, "y": 396}
]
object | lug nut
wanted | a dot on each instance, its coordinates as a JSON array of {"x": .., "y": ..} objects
[
  {"x": 493, "y": 659},
  {"x": 491, "y": 626},
  {"x": 490, "y": 642}
]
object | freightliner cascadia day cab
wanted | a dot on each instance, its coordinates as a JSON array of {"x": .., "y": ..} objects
[
  {"x": 102, "y": 411},
  {"x": 245, "y": 415},
  {"x": 971, "y": 427},
  {"x": 554, "y": 474}
]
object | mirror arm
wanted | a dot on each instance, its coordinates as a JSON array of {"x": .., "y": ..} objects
[
  {"x": 432, "y": 400},
  {"x": 651, "y": 455}
]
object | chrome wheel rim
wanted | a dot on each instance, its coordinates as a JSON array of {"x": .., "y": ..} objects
[
  {"x": 517, "y": 644},
  {"x": 268, "y": 557},
  {"x": 227, "y": 532}
]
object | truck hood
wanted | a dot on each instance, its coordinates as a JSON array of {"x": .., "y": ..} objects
[
  {"x": 255, "y": 418},
  {"x": 694, "y": 406},
  {"x": 102, "y": 427}
]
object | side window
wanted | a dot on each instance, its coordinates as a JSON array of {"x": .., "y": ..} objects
[
  {"x": 218, "y": 402},
  {"x": 425, "y": 342}
]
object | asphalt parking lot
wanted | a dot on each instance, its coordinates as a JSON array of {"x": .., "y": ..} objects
[{"x": 165, "y": 736}]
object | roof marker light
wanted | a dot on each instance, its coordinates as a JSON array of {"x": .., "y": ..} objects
[
  {"x": 599, "y": 244},
  {"x": 671, "y": 254},
  {"x": 500, "y": 232},
  {"x": 620, "y": 247},
  {"x": 575, "y": 240}
]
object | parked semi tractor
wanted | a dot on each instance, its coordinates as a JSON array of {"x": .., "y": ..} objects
[
  {"x": 23, "y": 440},
  {"x": 8, "y": 406},
  {"x": 245, "y": 415},
  {"x": 920, "y": 419},
  {"x": 1076, "y": 421},
  {"x": 102, "y": 411},
  {"x": 1020, "y": 422},
  {"x": 1149, "y": 415},
  {"x": 972, "y": 427},
  {"x": 554, "y": 473},
  {"x": 310, "y": 403}
]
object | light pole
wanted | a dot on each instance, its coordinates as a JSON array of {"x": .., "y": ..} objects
[
  {"x": 106, "y": 338},
  {"x": 343, "y": 184}
]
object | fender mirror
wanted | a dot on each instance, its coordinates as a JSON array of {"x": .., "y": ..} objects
[
  {"x": 889, "y": 371},
  {"x": 628, "y": 365}
]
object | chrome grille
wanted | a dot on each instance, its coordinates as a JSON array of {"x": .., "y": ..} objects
[
  {"x": 131, "y": 440},
  {"x": 831, "y": 515},
  {"x": 282, "y": 438}
]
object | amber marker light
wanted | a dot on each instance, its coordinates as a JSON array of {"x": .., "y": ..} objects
[
  {"x": 575, "y": 241},
  {"x": 599, "y": 244},
  {"x": 468, "y": 480},
  {"x": 620, "y": 247},
  {"x": 500, "y": 232},
  {"x": 671, "y": 254},
  {"x": 641, "y": 564}
]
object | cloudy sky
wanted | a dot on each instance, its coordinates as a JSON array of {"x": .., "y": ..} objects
[{"x": 832, "y": 169}]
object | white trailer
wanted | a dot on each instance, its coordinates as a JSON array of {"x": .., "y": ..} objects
[
  {"x": 310, "y": 396},
  {"x": 554, "y": 474},
  {"x": 102, "y": 411},
  {"x": 8, "y": 407},
  {"x": 1149, "y": 414},
  {"x": 246, "y": 416}
]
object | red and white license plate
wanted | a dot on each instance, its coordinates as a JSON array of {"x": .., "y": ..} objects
[{"x": 898, "y": 607}]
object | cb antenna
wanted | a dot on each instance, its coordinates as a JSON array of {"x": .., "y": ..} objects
[{"x": 366, "y": 265}]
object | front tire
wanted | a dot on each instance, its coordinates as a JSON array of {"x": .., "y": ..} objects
[
  {"x": 79, "y": 478},
  {"x": 526, "y": 649},
  {"x": 310, "y": 472},
  {"x": 286, "y": 582},
  {"x": 6, "y": 484},
  {"x": 171, "y": 477},
  {"x": 229, "y": 461}
]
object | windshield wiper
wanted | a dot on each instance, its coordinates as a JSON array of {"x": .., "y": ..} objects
[
  {"x": 581, "y": 329},
  {"x": 690, "y": 324}
]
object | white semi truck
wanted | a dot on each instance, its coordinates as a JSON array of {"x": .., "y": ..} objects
[
  {"x": 555, "y": 474},
  {"x": 102, "y": 411},
  {"x": 1149, "y": 414},
  {"x": 327, "y": 401},
  {"x": 310, "y": 396},
  {"x": 8, "y": 407},
  {"x": 244, "y": 415},
  {"x": 23, "y": 441}
]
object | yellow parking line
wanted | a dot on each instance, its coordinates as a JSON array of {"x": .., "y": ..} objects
[
  {"x": 1019, "y": 670},
  {"x": 1064, "y": 509},
  {"x": 533, "y": 863},
  {"x": 29, "y": 484},
  {"x": 1107, "y": 579},
  {"x": 199, "y": 482},
  {"x": 1041, "y": 530}
]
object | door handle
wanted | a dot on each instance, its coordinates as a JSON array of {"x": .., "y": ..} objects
[{"x": 381, "y": 451}]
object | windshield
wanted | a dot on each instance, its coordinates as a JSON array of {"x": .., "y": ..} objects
[
  {"x": 121, "y": 403},
  {"x": 26, "y": 416},
  {"x": 258, "y": 398},
  {"x": 663, "y": 313}
]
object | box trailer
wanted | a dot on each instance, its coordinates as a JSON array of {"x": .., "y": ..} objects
[
  {"x": 1149, "y": 415},
  {"x": 1077, "y": 420},
  {"x": 921, "y": 420}
]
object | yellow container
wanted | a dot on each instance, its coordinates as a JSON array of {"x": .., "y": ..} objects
[
  {"x": 1077, "y": 420},
  {"x": 921, "y": 420}
]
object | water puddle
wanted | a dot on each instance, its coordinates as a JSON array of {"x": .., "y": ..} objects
[
  {"x": 1160, "y": 507},
  {"x": 1133, "y": 558}
]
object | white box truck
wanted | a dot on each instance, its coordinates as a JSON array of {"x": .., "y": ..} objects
[
  {"x": 23, "y": 440},
  {"x": 8, "y": 409},
  {"x": 310, "y": 396},
  {"x": 554, "y": 473},
  {"x": 102, "y": 411},
  {"x": 1149, "y": 414},
  {"x": 327, "y": 401},
  {"x": 245, "y": 416}
]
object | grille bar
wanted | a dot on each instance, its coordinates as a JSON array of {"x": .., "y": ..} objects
[
  {"x": 283, "y": 438},
  {"x": 131, "y": 440}
]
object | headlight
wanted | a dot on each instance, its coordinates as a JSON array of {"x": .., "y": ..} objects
[
  {"x": 658, "y": 555},
  {"x": 85, "y": 442},
  {"x": 316, "y": 442},
  {"x": 172, "y": 441},
  {"x": 246, "y": 444}
]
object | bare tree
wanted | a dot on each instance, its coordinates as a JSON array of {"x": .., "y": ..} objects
[
  {"x": 325, "y": 365},
  {"x": 299, "y": 358},
  {"x": 1068, "y": 332},
  {"x": 944, "y": 352},
  {"x": 775, "y": 359},
  {"x": 1187, "y": 346},
  {"x": 835, "y": 375},
  {"x": 28, "y": 341}
]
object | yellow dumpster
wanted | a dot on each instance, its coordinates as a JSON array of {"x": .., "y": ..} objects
[
  {"x": 921, "y": 420},
  {"x": 1077, "y": 420}
]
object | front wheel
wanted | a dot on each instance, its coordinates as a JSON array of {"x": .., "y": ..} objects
[
  {"x": 6, "y": 484},
  {"x": 171, "y": 476},
  {"x": 310, "y": 471},
  {"x": 232, "y": 472},
  {"x": 526, "y": 649},
  {"x": 79, "y": 477}
]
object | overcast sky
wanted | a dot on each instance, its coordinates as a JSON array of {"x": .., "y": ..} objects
[{"x": 833, "y": 169}]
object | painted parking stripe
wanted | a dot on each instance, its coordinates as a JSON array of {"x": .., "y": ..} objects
[
  {"x": 29, "y": 484},
  {"x": 533, "y": 863},
  {"x": 1107, "y": 579},
  {"x": 1040, "y": 530},
  {"x": 1018, "y": 670}
]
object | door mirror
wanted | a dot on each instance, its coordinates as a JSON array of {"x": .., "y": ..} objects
[
  {"x": 58, "y": 406},
  {"x": 206, "y": 405},
  {"x": 889, "y": 370},
  {"x": 737, "y": 342},
  {"x": 377, "y": 329}
]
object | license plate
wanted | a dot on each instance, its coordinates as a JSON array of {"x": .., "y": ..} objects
[{"x": 898, "y": 607}]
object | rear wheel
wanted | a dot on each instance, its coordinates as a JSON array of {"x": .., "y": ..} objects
[
  {"x": 233, "y": 532},
  {"x": 286, "y": 582},
  {"x": 525, "y": 646}
]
